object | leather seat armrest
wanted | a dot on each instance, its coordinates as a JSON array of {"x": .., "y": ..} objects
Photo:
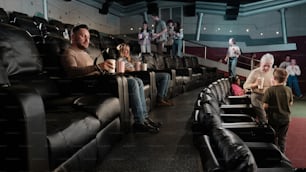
[{"x": 22, "y": 112}]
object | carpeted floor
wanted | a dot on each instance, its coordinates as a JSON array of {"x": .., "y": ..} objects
[
  {"x": 296, "y": 142},
  {"x": 296, "y": 139},
  {"x": 170, "y": 150},
  {"x": 298, "y": 108}
]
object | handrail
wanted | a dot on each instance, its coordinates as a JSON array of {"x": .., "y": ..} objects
[
  {"x": 251, "y": 59},
  {"x": 198, "y": 43}
]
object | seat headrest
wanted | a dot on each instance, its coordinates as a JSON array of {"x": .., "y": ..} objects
[
  {"x": 150, "y": 60},
  {"x": 4, "y": 18},
  {"x": 236, "y": 154},
  {"x": 18, "y": 54},
  {"x": 51, "y": 52}
]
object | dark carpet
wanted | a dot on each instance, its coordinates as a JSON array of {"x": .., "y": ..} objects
[
  {"x": 172, "y": 149},
  {"x": 169, "y": 150},
  {"x": 296, "y": 142}
]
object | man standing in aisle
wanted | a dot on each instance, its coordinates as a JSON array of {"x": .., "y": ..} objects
[
  {"x": 294, "y": 71},
  {"x": 285, "y": 63},
  {"x": 232, "y": 55},
  {"x": 160, "y": 33},
  {"x": 258, "y": 81}
]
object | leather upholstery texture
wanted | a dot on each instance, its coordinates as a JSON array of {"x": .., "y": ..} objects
[
  {"x": 61, "y": 124},
  {"x": 236, "y": 144}
]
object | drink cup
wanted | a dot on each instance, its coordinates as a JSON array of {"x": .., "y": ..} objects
[
  {"x": 261, "y": 82},
  {"x": 120, "y": 67},
  {"x": 137, "y": 66},
  {"x": 139, "y": 36},
  {"x": 144, "y": 67},
  {"x": 113, "y": 61}
]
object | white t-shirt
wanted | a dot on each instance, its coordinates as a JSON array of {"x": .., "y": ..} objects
[
  {"x": 233, "y": 51},
  {"x": 293, "y": 70}
]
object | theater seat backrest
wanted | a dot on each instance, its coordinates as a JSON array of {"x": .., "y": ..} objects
[
  {"x": 51, "y": 51},
  {"x": 188, "y": 62},
  {"x": 14, "y": 14},
  {"x": 28, "y": 24},
  {"x": 4, "y": 18},
  {"x": 170, "y": 63},
  {"x": 195, "y": 62},
  {"x": 234, "y": 153},
  {"x": 18, "y": 54},
  {"x": 159, "y": 61},
  {"x": 95, "y": 38},
  {"x": 108, "y": 42},
  {"x": 150, "y": 60}
]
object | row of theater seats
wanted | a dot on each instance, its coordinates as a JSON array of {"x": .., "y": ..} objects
[
  {"x": 39, "y": 28},
  {"x": 36, "y": 26},
  {"x": 49, "y": 32},
  {"x": 51, "y": 123},
  {"x": 186, "y": 73},
  {"x": 227, "y": 135}
]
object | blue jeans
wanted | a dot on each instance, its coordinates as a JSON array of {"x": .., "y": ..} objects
[
  {"x": 162, "y": 83},
  {"x": 232, "y": 63},
  {"x": 293, "y": 83},
  {"x": 137, "y": 99},
  {"x": 177, "y": 48}
]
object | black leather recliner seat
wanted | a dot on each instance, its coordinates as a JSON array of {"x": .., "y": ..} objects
[
  {"x": 52, "y": 123},
  {"x": 233, "y": 146}
]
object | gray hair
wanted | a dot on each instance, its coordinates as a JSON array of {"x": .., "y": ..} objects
[{"x": 267, "y": 58}]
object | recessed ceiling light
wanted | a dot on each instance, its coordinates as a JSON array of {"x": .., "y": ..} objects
[
  {"x": 247, "y": 30},
  {"x": 277, "y": 32},
  {"x": 261, "y": 34}
]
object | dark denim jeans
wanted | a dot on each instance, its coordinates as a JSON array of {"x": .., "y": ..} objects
[
  {"x": 232, "y": 63},
  {"x": 162, "y": 83},
  {"x": 137, "y": 99},
  {"x": 293, "y": 83}
]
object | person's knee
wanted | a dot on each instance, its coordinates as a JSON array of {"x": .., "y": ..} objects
[
  {"x": 139, "y": 82},
  {"x": 132, "y": 84},
  {"x": 168, "y": 76}
]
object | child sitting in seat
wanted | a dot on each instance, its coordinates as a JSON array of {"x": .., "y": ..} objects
[{"x": 236, "y": 88}]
